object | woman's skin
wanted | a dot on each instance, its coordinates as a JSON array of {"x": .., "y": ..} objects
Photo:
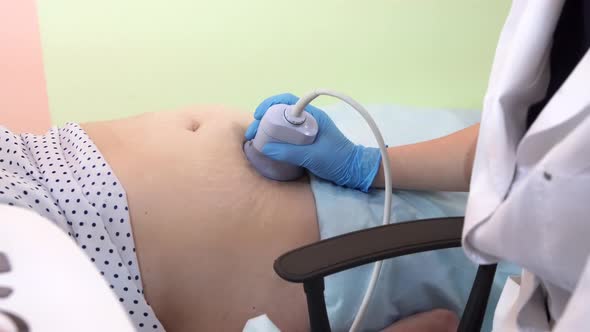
[{"x": 207, "y": 226}]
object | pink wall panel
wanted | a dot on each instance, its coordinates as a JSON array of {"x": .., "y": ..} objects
[{"x": 23, "y": 94}]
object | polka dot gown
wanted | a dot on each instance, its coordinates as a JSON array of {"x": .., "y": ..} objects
[{"x": 64, "y": 178}]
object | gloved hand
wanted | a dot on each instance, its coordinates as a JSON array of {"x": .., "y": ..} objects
[{"x": 331, "y": 156}]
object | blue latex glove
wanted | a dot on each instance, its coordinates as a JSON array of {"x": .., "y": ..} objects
[{"x": 331, "y": 156}]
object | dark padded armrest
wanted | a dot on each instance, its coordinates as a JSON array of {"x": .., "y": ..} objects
[{"x": 350, "y": 250}]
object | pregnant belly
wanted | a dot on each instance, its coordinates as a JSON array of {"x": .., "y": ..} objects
[{"x": 207, "y": 227}]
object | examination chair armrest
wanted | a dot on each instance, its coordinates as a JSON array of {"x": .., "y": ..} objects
[
  {"x": 350, "y": 250},
  {"x": 311, "y": 263}
]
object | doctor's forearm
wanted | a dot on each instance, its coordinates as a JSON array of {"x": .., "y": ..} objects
[{"x": 442, "y": 164}]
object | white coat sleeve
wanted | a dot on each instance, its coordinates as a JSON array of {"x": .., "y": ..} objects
[
  {"x": 576, "y": 316},
  {"x": 47, "y": 283}
]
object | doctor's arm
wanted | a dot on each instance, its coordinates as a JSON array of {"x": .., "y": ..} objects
[{"x": 442, "y": 164}]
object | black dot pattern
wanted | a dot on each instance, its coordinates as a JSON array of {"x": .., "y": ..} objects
[{"x": 63, "y": 177}]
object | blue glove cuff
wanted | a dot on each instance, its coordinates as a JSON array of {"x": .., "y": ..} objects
[{"x": 364, "y": 167}]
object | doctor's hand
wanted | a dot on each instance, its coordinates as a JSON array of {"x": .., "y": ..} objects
[{"x": 331, "y": 156}]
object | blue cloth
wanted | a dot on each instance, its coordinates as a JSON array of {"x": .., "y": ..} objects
[{"x": 409, "y": 284}]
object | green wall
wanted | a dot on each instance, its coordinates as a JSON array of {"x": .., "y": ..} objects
[{"x": 111, "y": 58}]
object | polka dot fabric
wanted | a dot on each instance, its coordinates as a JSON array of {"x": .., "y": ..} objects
[{"x": 63, "y": 177}]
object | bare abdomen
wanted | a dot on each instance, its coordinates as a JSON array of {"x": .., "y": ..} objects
[{"x": 207, "y": 227}]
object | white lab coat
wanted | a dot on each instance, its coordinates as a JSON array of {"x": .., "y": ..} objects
[
  {"x": 529, "y": 200},
  {"x": 52, "y": 285}
]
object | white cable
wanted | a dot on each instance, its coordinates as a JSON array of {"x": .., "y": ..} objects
[{"x": 297, "y": 110}]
